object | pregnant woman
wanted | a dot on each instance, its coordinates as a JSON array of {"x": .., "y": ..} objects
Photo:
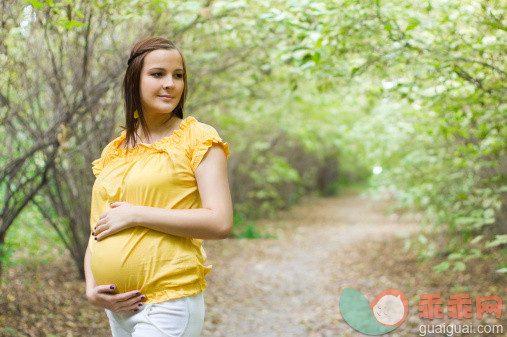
[{"x": 161, "y": 188}]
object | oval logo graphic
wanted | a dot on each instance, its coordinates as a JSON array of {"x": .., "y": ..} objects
[
  {"x": 386, "y": 313},
  {"x": 390, "y": 307}
]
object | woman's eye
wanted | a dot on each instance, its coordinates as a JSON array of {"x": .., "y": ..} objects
[
  {"x": 179, "y": 75},
  {"x": 156, "y": 74}
]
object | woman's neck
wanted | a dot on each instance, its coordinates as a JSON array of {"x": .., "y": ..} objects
[{"x": 158, "y": 129}]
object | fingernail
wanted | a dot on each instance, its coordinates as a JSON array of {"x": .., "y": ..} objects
[
  {"x": 95, "y": 238},
  {"x": 140, "y": 304},
  {"x": 93, "y": 233},
  {"x": 112, "y": 287},
  {"x": 136, "y": 309},
  {"x": 138, "y": 293},
  {"x": 143, "y": 297}
]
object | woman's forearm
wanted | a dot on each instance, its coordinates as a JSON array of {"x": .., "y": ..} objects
[
  {"x": 90, "y": 281},
  {"x": 200, "y": 223}
]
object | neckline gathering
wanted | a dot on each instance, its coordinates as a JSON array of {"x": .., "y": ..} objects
[{"x": 175, "y": 137}]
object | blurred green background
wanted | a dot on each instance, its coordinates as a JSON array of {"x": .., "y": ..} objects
[{"x": 405, "y": 98}]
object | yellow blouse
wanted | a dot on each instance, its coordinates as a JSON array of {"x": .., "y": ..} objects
[{"x": 161, "y": 266}]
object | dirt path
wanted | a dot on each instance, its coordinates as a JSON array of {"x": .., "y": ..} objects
[{"x": 290, "y": 286}]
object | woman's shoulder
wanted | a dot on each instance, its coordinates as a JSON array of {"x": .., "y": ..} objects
[
  {"x": 199, "y": 130},
  {"x": 108, "y": 153},
  {"x": 202, "y": 136}
]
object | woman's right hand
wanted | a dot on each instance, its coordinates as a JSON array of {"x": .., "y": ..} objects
[{"x": 103, "y": 296}]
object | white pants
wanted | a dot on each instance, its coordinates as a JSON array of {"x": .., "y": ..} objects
[{"x": 183, "y": 317}]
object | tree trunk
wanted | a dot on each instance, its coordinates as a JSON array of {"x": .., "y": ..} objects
[{"x": 2, "y": 246}]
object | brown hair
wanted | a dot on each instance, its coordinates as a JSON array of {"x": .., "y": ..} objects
[{"x": 132, "y": 91}]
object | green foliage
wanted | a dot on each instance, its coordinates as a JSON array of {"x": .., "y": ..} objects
[
  {"x": 9, "y": 331},
  {"x": 31, "y": 241},
  {"x": 244, "y": 229},
  {"x": 35, "y": 3},
  {"x": 439, "y": 133},
  {"x": 458, "y": 259},
  {"x": 500, "y": 239},
  {"x": 250, "y": 232},
  {"x": 443, "y": 266}
]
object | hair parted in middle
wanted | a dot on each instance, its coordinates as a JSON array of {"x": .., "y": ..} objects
[{"x": 132, "y": 91}]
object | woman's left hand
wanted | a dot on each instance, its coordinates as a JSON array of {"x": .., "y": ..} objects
[{"x": 121, "y": 216}]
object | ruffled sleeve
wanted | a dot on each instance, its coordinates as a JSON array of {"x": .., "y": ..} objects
[
  {"x": 109, "y": 152},
  {"x": 203, "y": 137}
]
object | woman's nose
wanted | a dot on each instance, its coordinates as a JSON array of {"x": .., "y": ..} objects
[{"x": 169, "y": 83}]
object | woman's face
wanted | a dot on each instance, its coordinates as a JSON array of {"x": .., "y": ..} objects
[{"x": 161, "y": 81}]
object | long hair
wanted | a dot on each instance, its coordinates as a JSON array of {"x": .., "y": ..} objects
[{"x": 132, "y": 91}]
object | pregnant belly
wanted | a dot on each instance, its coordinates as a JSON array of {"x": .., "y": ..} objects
[{"x": 141, "y": 259}]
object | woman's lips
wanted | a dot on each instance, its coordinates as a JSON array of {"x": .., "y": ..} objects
[{"x": 166, "y": 97}]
